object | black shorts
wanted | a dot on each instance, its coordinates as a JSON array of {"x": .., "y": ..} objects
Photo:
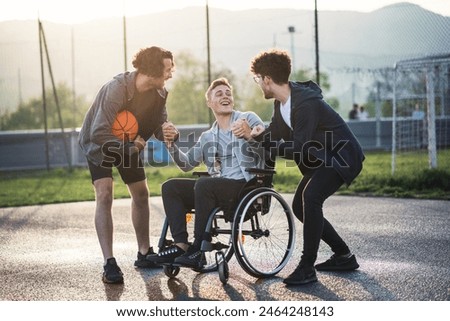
[{"x": 131, "y": 170}]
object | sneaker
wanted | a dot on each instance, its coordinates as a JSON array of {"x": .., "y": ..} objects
[
  {"x": 338, "y": 263},
  {"x": 112, "y": 272},
  {"x": 167, "y": 255},
  {"x": 301, "y": 275},
  {"x": 142, "y": 261},
  {"x": 193, "y": 258}
]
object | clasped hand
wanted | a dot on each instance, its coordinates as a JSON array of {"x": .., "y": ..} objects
[
  {"x": 170, "y": 133},
  {"x": 241, "y": 128}
]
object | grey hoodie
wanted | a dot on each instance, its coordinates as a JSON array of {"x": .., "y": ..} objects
[
  {"x": 248, "y": 154},
  {"x": 113, "y": 97}
]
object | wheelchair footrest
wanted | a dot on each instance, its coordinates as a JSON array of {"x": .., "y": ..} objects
[{"x": 209, "y": 247}]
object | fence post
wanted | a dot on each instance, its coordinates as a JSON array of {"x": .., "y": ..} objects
[{"x": 431, "y": 118}]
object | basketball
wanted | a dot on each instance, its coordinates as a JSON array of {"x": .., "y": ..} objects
[{"x": 125, "y": 126}]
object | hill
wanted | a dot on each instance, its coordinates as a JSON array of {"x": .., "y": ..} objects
[{"x": 349, "y": 41}]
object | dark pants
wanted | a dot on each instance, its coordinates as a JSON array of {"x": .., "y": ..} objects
[
  {"x": 204, "y": 194},
  {"x": 310, "y": 195}
]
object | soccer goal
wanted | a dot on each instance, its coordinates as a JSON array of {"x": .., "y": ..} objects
[{"x": 421, "y": 110}]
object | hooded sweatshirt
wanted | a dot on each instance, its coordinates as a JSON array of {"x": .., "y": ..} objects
[
  {"x": 119, "y": 94},
  {"x": 318, "y": 136}
]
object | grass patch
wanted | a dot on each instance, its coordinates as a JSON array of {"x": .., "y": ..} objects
[{"x": 412, "y": 180}]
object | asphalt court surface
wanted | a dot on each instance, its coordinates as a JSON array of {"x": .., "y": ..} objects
[{"x": 51, "y": 253}]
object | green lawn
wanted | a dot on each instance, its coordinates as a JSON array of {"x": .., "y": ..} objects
[{"x": 412, "y": 179}]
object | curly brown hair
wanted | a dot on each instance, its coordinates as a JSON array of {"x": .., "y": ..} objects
[
  {"x": 150, "y": 61},
  {"x": 274, "y": 63}
]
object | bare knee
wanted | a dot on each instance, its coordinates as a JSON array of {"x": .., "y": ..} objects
[
  {"x": 139, "y": 193},
  {"x": 103, "y": 192}
]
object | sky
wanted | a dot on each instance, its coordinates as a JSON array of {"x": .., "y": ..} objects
[{"x": 78, "y": 11}]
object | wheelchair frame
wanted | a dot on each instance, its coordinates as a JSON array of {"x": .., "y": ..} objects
[{"x": 261, "y": 234}]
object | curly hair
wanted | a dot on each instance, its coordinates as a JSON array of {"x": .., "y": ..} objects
[
  {"x": 150, "y": 61},
  {"x": 274, "y": 63},
  {"x": 218, "y": 82}
]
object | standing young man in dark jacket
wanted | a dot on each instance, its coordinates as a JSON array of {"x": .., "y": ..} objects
[
  {"x": 305, "y": 128},
  {"x": 142, "y": 93}
]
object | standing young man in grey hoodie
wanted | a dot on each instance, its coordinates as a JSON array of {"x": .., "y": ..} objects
[
  {"x": 142, "y": 93},
  {"x": 305, "y": 128}
]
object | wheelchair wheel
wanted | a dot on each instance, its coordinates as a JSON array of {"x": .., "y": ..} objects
[
  {"x": 171, "y": 271},
  {"x": 263, "y": 233},
  {"x": 221, "y": 237}
]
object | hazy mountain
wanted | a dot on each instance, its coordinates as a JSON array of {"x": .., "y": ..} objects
[{"x": 347, "y": 41}]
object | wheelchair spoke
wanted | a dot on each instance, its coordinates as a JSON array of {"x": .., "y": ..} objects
[{"x": 269, "y": 234}]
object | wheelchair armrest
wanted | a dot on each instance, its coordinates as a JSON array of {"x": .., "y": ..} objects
[
  {"x": 200, "y": 174},
  {"x": 261, "y": 171}
]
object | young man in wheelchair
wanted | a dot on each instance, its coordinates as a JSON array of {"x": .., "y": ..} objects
[{"x": 227, "y": 154}]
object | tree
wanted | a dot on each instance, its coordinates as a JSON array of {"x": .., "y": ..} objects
[
  {"x": 382, "y": 90},
  {"x": 30, "y": 114}
]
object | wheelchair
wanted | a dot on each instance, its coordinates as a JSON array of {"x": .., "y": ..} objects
[{"x": 259, "y": 232}]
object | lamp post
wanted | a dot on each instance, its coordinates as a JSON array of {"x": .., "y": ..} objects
[
  {"x": 208, "y": 51},
  {"x": 316, "y": 28},
  {"x": 124, "y": 26},
  {"x": 291, "y": 30}
]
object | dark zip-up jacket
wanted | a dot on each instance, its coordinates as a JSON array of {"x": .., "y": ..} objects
[{"x": 318, "y": 137}]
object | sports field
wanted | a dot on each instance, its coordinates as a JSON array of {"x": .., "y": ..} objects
[{"x": 412, "y": 180}]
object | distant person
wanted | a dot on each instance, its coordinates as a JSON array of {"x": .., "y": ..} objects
[
  {"x": 418, "y": 114},
  {"x": 305, "y": 128},
  {"x": 142, "y": 93},
  {"x": 419, "y": 127},
  {"x": 226, "y": 155},
  {"x": 353, "y": 114},
  {"x": 362, "y": 115}
]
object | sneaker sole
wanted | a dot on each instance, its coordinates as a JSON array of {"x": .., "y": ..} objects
[
  {"x": 105, "y": 280},
  {"x": 337, "y": 268},
  {"x": 305, "y": 281},
  {"x": 158, "y": 260},
  {"x": 190, "y": 266},
  {"x": 147, "y": 265}
]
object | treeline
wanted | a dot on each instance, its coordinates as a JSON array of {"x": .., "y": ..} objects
[{"x": 186, "y": 101}]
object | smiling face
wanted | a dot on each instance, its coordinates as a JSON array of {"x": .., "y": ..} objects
[
  {"x": 167, "y": 74},
  {"x": 150, "y": 82},
  {"x": 220, "y": 100}
]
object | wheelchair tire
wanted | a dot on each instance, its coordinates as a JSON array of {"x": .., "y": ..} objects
[
  {"x": 171, "y": 271},
  {"x": 224, "y": 272},
  {"x": 263, "y": 233}
]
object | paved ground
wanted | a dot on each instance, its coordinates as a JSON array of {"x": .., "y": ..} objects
[{"x": 51, "y": 252}]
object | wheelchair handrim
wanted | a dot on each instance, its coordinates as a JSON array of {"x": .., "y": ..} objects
[{"x": 238, "y": 237}]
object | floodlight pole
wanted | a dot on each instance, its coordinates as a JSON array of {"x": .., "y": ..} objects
[
  {"x": 44, "y": 99},
  {"x": 291, "y": 30},
  {"x": 55, "y": 96},
  {"x": 208, "y": 57},
  {"x": 125, "y": 39},
  {"x": 317, "y": 42},
  {"x": 74, "y": 100}
]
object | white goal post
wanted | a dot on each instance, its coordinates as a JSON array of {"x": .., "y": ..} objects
[{"x": 420, "y": 110}]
